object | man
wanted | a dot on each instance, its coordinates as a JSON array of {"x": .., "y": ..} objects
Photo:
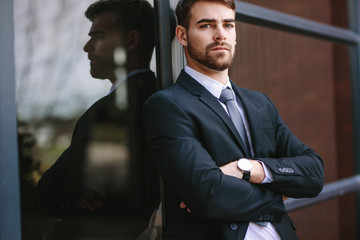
[
  {"x": 226, "y": 157},
  {"x": 105, "y": 171}
]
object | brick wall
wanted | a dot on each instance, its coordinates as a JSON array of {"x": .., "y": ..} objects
[{"x": 309, "y": 81}]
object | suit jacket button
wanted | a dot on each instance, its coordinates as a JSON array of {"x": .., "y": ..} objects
[{"x": 234, "y": 226}]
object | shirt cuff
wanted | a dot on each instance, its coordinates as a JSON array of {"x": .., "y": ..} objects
[{"x": 269, "y": 176}]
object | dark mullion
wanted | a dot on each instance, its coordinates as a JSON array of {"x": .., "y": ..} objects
[
  {"x": 163, "y": 21},
  {"x": 163, "y": 33}
]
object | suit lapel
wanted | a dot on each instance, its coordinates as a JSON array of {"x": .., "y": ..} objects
[{"x": 210, "y": 101}]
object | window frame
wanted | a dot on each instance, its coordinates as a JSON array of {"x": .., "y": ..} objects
[{"x": 10, "y": 212}]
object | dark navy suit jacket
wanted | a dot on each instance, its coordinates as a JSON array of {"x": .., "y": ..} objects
[{"x": 190, "y": 135}]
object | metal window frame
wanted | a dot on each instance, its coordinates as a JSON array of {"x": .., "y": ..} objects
[
  {"x": 163, "y": 42},
  {"x": 249, "y": 13},
  {"x": 10, "y": 223},
  {"x": 330, "y": 190}
]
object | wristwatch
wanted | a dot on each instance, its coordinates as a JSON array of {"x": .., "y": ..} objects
[{"x": 245, "y": 165}]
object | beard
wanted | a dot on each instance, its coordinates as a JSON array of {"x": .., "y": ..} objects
[{"x": 215, "y": 61}]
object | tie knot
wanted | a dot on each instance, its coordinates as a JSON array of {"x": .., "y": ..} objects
[{"x": 226, "y": 95}]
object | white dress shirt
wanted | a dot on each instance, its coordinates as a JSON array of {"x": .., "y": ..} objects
[{"x": 254, "y": 231}]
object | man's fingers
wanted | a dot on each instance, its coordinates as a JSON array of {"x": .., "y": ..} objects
[
  {"x": 92, "y": 200},
  {"x": 85, "y": 203},
  {"x": 183, "y": 205}
]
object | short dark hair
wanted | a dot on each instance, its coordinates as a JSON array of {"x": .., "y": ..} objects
[
  {"x": 183, "y": 9},
  {"x": 130, "y": 15}
]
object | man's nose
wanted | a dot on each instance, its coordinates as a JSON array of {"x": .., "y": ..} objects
[
  {"x": 219, "y": 34},
  {"x": 87, "y": 47}
]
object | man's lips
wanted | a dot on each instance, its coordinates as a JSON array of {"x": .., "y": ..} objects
[
  {"x": 91, "y": 58},
  {"x": 92, "y": 61},
  {"x": 217, "y": 46},
  {"x": 220, "y": 49}
]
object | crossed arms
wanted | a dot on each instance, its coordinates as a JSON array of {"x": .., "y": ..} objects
[{"x": 190, "y": 163}]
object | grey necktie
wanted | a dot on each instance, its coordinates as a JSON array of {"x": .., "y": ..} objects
[{"x": 227, "y": 97}]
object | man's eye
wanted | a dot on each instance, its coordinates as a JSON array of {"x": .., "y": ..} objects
[
  {"x": 229, "y": 25},
  {"x": 205, "y": 26}
]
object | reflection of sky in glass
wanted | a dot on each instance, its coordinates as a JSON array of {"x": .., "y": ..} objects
[{"x": 52, "y": 71}]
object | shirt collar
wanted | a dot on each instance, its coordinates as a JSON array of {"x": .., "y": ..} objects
[
  {"x": 126, "y": 76},
  {"x": 213, "y": 86}
]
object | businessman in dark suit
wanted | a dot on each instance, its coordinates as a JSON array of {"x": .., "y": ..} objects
[
  {"x": 227, "y": 159},
  {"x": 105, "y": 171}
]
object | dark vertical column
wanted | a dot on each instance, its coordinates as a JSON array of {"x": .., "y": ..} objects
[
  {"x": 9, "y": 171},
  {"x": 164, "y": 22},
  {"x": 168, "y": 60},
  {"x": 354, "y": 24}
]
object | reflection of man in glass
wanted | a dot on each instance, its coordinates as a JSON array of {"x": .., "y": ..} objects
[
  {"x": 114, "y": 29},
  {"x": 105, "y": 171}
]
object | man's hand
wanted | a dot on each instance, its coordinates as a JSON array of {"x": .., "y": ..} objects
[
  {"x": 183, "y": 206},
  {"x": 92, "y": 199},
  {"x": 257, "y": 172}
]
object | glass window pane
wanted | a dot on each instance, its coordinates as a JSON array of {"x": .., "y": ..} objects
[
  {"x": 309, "y": 81},
  {"x": 81, "y": 84}
]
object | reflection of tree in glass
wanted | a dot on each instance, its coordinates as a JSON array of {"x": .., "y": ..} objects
[{"x": 29, "y": 166}]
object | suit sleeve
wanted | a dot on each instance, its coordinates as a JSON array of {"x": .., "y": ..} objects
[
  {"x": 60, "y": 186},
  {"x": 193, "y": 175},
  {"x": 298, "y": 170}
]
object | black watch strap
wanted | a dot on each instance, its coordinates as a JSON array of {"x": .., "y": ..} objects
[{"x": 246, "y": 175}]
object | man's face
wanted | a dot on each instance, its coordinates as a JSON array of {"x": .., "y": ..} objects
[
  {"x": 210, "y": 37},
  {"x": 104, "y": 39}
]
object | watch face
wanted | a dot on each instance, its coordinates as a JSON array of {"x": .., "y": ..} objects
[{"x": 244, "y": 164}]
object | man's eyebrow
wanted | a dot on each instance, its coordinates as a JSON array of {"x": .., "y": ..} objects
[
  {"x": 207, "y": 20},
  {"x": 229, "y": 20}
]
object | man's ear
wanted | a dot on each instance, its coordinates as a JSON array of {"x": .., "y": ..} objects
[
  {"x": 181, "y": 35},
  {"x": 133, "y": 40}
]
